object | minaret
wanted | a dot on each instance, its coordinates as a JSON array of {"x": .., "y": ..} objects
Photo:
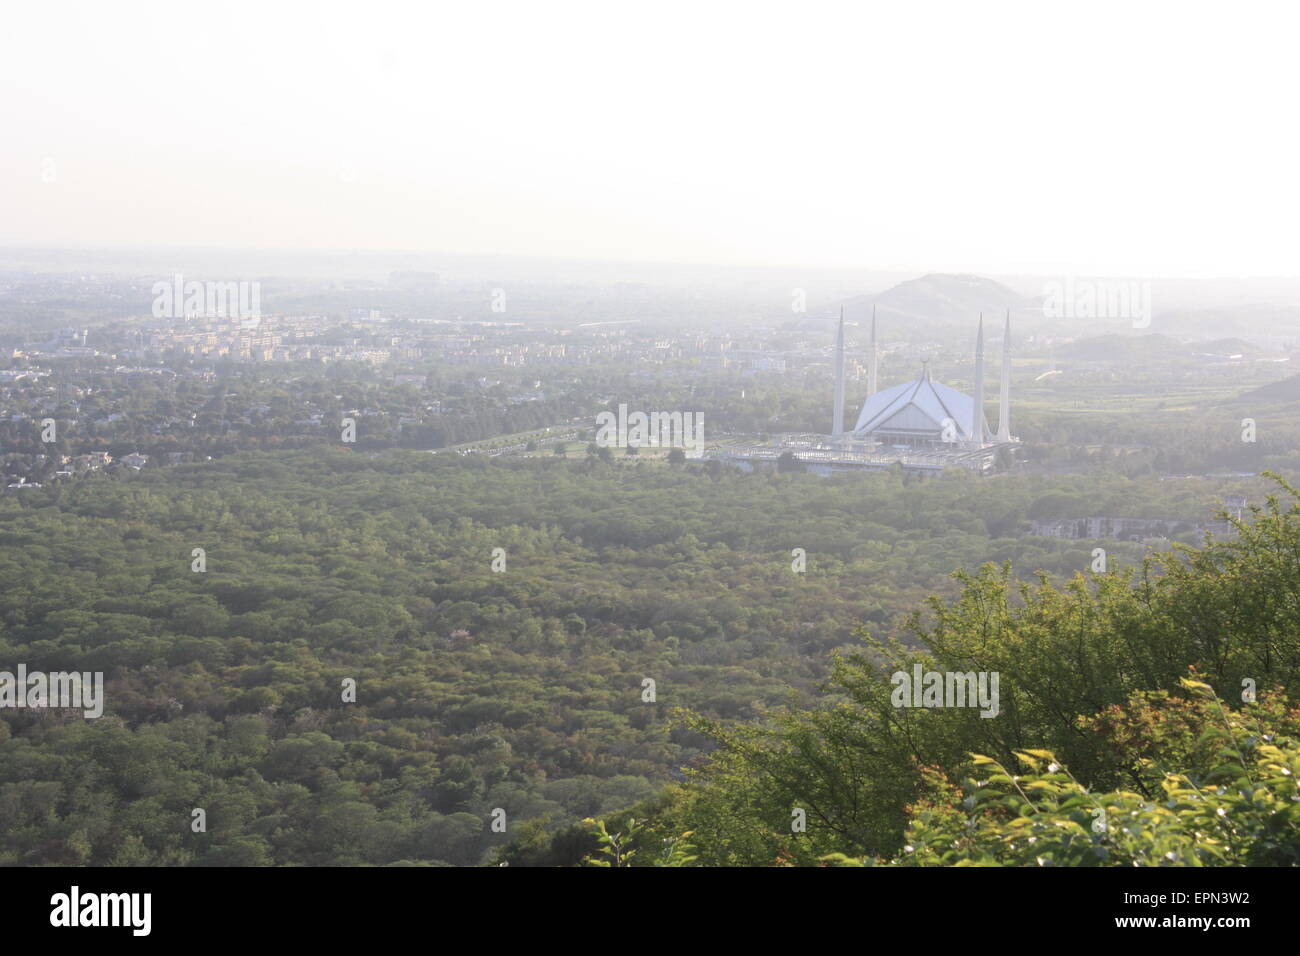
[
  {"x": 837, "y": 420},
  {"x": 977, "y": 427},
  {"x": 1004, "y": 395},
  {"x": 872, "y": 386}
]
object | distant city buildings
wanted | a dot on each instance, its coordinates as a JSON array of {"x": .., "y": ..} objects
[{"x": 1122, "y": 529}]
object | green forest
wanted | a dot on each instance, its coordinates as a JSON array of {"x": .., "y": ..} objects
[
  {"x": 1108, "y": 754},
  {"x": 499, "y": 621}
]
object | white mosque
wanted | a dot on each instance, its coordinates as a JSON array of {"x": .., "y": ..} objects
[
  {"x": 922, "y": 425},
  {"x": 923, "y": 413}
]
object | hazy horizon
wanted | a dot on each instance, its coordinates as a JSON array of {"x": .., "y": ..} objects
[{"x": 720, "y": 136}]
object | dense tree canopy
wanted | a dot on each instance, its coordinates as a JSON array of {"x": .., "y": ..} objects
[
  {"x": 1094, "y": 702},
  {"x": 523, "y": 689}
]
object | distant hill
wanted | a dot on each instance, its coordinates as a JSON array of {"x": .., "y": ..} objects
[
  {"x": 1286, "y": 390},
  {"x": 1231, "y": 346},
  {"x": 1120, "y": 348},
  {"x": 938, "y": 298}
]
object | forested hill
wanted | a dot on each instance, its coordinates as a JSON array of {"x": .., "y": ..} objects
[
  {"x": 1140, "y": 720},
  {"x": 476, "y": 689}
]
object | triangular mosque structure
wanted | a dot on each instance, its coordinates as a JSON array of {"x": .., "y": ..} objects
[
  {"x": 916, "y": 413},
  {"x": 921, "y": 424},
  {"x": 926, "y": 414}
]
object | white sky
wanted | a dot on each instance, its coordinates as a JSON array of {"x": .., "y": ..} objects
[{"x": 1094, "y": 138}]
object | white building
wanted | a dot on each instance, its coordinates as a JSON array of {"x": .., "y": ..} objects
[{"x": 924, "y": 413}]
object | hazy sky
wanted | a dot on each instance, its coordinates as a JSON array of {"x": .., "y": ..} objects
[{"x": 1121, "y": 138}]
